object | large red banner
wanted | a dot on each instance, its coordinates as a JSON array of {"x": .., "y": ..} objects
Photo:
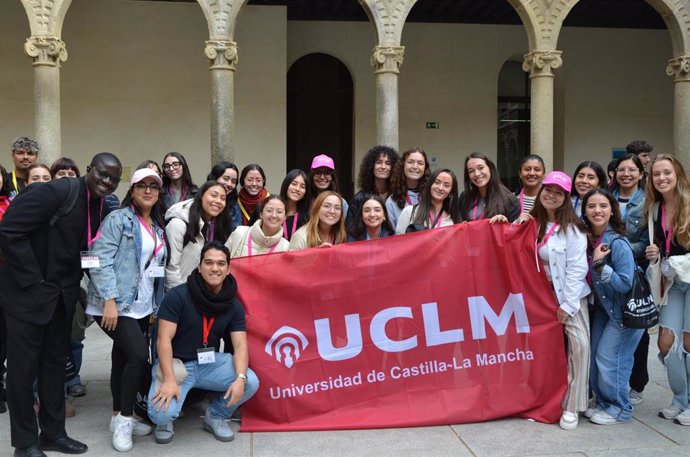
[{"x": 445, "y": 326}]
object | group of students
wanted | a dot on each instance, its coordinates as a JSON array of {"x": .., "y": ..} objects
[{"x": 592, "y": 235}]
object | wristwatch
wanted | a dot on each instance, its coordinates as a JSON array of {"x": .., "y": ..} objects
[{"x": 243, "y": 377}]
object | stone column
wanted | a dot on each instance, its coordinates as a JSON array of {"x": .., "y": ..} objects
[
  {"x": 386, "y": 61},
  {"x": 540, "y": 64},
  {"x": 679, "y": 68},
  {"x": 223, "y": 61}
]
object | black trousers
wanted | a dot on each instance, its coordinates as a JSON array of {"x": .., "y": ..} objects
[
  {"x": 130, "y": 356},
  {"x": 37, "y": 352},
  {"x": 640, "y": 376}
]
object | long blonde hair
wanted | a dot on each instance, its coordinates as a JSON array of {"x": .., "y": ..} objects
[
  {"x": 681, "y": 219},
  {"x": 338, "y": 229}
]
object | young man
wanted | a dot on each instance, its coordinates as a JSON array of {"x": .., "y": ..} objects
[
  {"x": 41, "y": 237},
  {"x": 24, "y": 154},
  {"x": 192, "y": 321}
]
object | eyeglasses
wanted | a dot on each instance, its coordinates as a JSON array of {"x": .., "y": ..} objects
[
  {"x": 105, "y": 176},
  {"x": 153, "y": 187},
  {"x": 629, "y": 170},
  {"x": 171, "y": 166},
  {"x": 324, "y": 173}
]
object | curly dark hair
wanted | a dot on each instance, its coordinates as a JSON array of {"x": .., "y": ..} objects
[
  {"x": 638, "y": 147},
  {"x": 366, "y": 168},
  {"x": 398, "y": 181}
]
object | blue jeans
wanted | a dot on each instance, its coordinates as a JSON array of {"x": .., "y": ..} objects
[
  {"x": 77, "y": 348},
  {"x": 210, "y": 376},
  {"x": 675, "y": 316},
  {"x": 613, "y": 350}
]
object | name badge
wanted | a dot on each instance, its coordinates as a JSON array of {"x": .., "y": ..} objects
[
  {"x": 88, "y": 260},
  {"x": 206, "y": 355},
  {"x": 156, "y": 271},
  {"x": 665, "y": 268}
]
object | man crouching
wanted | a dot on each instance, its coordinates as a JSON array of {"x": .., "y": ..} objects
[{"x": 191, "y": 323}]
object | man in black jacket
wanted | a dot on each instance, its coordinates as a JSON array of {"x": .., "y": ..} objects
[{"x": 41, "y": 237}]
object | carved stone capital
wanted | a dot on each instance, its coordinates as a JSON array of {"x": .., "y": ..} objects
[
  {"x": 679, "y": 68},
  {"x": 387, "y": 59},
  {"x": 46, "y": 50},
  {"x": 222, "y": 54},
  {"x": 542, "y": 63}
]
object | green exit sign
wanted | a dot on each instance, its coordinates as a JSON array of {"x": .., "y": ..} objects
[{"x": 432, "y": 125}]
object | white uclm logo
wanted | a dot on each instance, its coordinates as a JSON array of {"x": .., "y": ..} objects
[{"x": 286, "y": 345}]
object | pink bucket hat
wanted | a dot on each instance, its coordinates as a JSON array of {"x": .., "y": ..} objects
[
  {"x": 560, "y": 179},
  {"x": 322, "y": 161},
  {"x": 146, "y": 173}
]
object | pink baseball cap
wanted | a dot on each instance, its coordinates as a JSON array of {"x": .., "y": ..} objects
[
  {"x": 560, "y": 179},
  {"x": 322, "y": 161},
  {"x": 144, "y": 173}
]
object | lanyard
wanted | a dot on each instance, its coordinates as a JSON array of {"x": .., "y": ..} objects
[
  {"x": 590, "y": 259},
  {"x": 522, "y": 200},
  {"x": 89, "y": 240},
  {"x": 14, "y": 181},
  {"x": 547, "y": 236},
  {"x": 474, "y": 210},
  {"x": 211, "y": 229},
  {"x": 183, "y": 195},
  {"x": 249, "y": 246},
  {"x": 668, "y": 231},
  {"x": 409, "y": 200},
  {"x": 437, "y": 221},
  {"x": 294, "y": 226},
  {"x": 158, "y": 248},
  {"x": 207, "y": 324},
  {"x": 244, "y": 211}
]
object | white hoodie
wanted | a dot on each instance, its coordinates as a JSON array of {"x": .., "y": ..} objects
[{"x": 183, "y": 259}]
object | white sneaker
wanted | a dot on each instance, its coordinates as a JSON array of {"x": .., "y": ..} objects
[
  {"x": 591, "y": 412},
  {"x": 568, "y": 420},
  {"x": 635, "y": 397},
  {"x": 683, "y": 418},
  {"x": 670, "y": 412},
  {"x": 604, "y": 418},
  {"x": 139, "y": 428},
  {"x": 122, "y": 436}
]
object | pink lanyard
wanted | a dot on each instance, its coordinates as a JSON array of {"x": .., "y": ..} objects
[
  {"x": 249, "y": 246},
  {"x": 668, "y": 232},
  {"x": 158, "y": 248},
  {"x": 474, "y": 211},
  {"x": 409, "y": 200},
  {"x": 211, "y": 229},
  {"x": 522, "y": 200},
  {"x": 437, "y": 222},
  {"x": 547, "y": 236},
  {"x": 294, "y": 226},
  {"x": 591, "y": 258},
  {"x": 89, "y": 240}
]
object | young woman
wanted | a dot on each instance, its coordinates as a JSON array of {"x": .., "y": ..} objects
[
  {"x": 668, "y": 212},
  {"x": 177, "y": 180},
  {"x": 125, "y": 290},
  {"x": 407, "y": 180},
  {"x": 190, "y": 224},
  {"x": 37, "y": 173},
  {"x": 372, "y": 222},
  {"x": 322, "y": 178},
  {"x": 485, "y": 197},
  {"x": 612, "y": 266},
  {"x": 295, "y": 193},
  {"x": 437, "y": 205},
  {"x": 532, "y": 170},
  {"x": 265, "y": 236},
  {"x": 253, "y": 192},
  {"x": 326, "y": 225},
  {"x": 627, "y": 188},
  {"x": 374, "y": 179},
  {"x": 588, "y": 175},
  {"x": 153, "y": 165},
  {"x": 562, "y": 248},
  {"x": 64, "y": 168},
  {"x": 226, "y": 173}
]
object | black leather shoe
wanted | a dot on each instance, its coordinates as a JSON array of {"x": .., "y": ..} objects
[
  {"x": 31, "y": 451},
  {"x": 66, "y": 445}
]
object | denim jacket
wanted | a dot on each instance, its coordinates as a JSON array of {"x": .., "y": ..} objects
[
  {"x": 615, "y": 281},
  {"x": 635, "y": 226},
  {"x": 119, "y": 253}
]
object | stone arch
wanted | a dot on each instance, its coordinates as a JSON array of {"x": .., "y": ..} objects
[
  {"x": 676, "y": 15},
  {"x": 221, "y": 16},
  {"x": 46, "y": 16},
  {"x": 543, "y": 20},
  {"x": 388, "y": 18}
]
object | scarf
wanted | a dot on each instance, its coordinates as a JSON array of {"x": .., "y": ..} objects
[
  {"x": 248, "y": 203},
  {"x": 206, "y": 302}
]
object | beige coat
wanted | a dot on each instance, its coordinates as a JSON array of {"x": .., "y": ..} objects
[{"x": 238, "y": 243}]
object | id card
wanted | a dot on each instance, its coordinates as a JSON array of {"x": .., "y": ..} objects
[
  {"x": 156, "y": 271},
  {"x": 88, "y": 260},
  {"x": 665, "y": 268},
  {"x": 206, "y": 355}
]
